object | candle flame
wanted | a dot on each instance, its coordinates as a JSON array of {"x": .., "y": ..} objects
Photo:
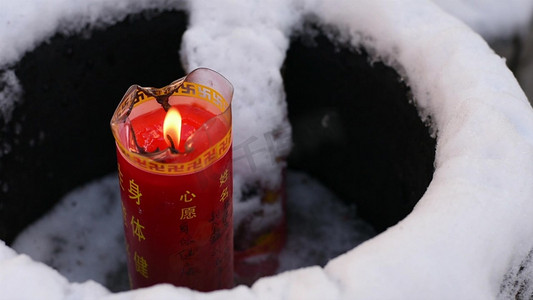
[{"x": 172, "y": 128}]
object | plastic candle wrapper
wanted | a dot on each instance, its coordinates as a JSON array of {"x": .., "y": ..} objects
[{"x": 174, "y": 151}]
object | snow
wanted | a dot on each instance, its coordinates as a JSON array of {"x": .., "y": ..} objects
[
  {"x": 82, "y": 237},
  {"x": 469, "y": 233},
  {"x": 10, "y": 92},
  {"x": 254, "y": 43},
  {"x": 23, "y": 278}
]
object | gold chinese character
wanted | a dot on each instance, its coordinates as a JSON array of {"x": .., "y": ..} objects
[
  {"x": 137, "y": 228},
  {"x": 135, "y": 192},
  {"x": 224, "y": 195},
  {"x": 187, "y": 197},
  {"x": 120, "y": 178},
  {"x": 224, "y": 177},
  {"x": 141, "y": 265},
  {"x": 188, "y": 213}
]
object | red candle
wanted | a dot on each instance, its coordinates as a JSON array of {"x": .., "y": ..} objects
[{"x": 175, "y": 170}]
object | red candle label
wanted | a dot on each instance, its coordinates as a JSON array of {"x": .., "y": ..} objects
[{"x": 176, "y": 185}]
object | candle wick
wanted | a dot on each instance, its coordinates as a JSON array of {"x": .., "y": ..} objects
[{"x": 172, "y": 148}]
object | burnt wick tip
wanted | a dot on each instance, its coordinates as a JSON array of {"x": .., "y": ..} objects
[{"x": 172, "y": 147}]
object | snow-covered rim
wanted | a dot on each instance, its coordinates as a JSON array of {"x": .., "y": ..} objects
[
  {"x": 473, "y": 222},
  {"x": 473, "y": 219}
]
